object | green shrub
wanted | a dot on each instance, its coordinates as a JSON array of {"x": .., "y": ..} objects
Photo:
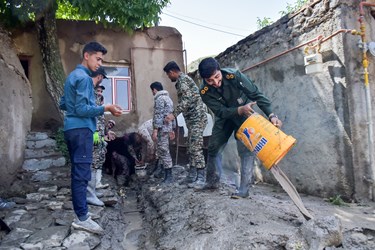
[{"x": 61, "y": 145}]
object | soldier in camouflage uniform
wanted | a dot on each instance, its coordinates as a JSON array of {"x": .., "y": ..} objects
[
  {"x": 163, "y": 130},
  {"x": 99, "y": 148},
  {"x": 193, "y": 109},
  {"x": 148, "y": 149},
  {"x": 230, "y": 95}
]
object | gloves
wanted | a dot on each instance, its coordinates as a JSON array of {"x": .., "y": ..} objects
[{"x": 96, "y": 138}]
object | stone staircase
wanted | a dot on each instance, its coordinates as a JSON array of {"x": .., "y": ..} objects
[{"x": 41, "y": 152}]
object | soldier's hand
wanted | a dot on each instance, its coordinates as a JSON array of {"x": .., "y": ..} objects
[
  {"x": 169, "y": 118},
  {"x": 96, "y": 138},
  {"x": 155, "y": 135},
  {"x": 246, "y": 110},
  {"x": 171, "y": 135},
  {"x": 276, "y": 121}
]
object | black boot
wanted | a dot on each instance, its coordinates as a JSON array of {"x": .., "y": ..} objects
[
  {"x": 191, "y": 177},
  {"x": 247, "y": 167},
  {"x": 200, "y": 181},
  {"x": 168, "y": 179},
  {"x": 159, "y": 170},
  {"x": 212, "y": 176}
]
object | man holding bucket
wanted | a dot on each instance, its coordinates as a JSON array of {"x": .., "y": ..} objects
[{"x": 230, "y": 95}]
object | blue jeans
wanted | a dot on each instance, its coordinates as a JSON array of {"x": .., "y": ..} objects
[{"x": 80, "y": 145}]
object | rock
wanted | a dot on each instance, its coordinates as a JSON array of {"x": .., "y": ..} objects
[{"x": 317, "y": 234}]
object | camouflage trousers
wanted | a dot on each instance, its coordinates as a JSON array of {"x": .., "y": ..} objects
[
  {"x": 163, "y": 150},
  {"x": 195, "y": 142},
  {"x": 98, "y": 155}
]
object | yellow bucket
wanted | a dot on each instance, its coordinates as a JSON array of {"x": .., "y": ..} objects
[{"x": 268, "y": 142}]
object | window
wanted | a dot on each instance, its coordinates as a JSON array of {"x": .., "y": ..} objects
[{"x": 117, "y": 87}]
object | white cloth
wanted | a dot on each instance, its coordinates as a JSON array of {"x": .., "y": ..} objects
[{"x": 207, "y": 130}]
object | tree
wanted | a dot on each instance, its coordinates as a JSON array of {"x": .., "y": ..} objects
[
  {"x": 127, "y": 14},
  {"x": 290, "y": 8},
  {"x": 261, "y": 23}
]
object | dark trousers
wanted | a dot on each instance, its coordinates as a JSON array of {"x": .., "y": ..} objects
[
  {"x": 80, "y": 145},
  {"x": 222, "y": 130}
]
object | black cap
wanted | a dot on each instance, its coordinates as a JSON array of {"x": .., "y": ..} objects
[
  {"x": 100, "y": 86},
  {"x": 100, "y": 71}
]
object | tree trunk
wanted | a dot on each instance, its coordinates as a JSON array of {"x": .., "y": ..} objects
[{"x": 52, "y": 65}]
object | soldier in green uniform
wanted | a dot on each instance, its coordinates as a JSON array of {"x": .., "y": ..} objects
[
  {"x": 230, "y": 95},
  {"x": 193, "y": 109}
]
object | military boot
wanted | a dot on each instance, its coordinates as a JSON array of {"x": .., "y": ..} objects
[
  {"x": 200, "y": 181},
  {"x": 159, "y": 170},
  {"x": 247, "y": 166},
  {"x": 212, "y": 176},
  {"x": 191, "y": 177},
  {"x": 168, "y": 178}
]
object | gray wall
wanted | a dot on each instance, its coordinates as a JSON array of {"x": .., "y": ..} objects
[
  {"x": 15, "y": 111},
  {"x": 325, "y": 112}
]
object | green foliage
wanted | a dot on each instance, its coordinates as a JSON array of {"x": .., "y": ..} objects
[
  {"x": 16, "y": 12},
  {"x": 66, "y": 10},
  {"x": 61, "y": 145},
  {"x": 337, "y": 200},
  {"x": 261, "y": 23},
  {"x": 127, "y": 14},
  {"x": 290, "y": 8}
]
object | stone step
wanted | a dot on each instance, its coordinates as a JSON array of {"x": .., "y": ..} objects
[
  {"x": 37, "y": 136},
  {"x": 41, "y": 153},
  {"x": 43, "y": 163},
  {"x": 43, "y": 143}
]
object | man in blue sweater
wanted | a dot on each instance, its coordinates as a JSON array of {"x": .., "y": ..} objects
[{"x": 81, "y": 111}]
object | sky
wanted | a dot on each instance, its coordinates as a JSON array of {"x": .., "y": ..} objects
[{"x": 237, "y": 18}]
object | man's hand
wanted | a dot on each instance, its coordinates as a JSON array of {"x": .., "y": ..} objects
[
  {"x": 275, "y": 121},
  {"x": 155, "y": 135},
  {"x": 111, "y": 135},
  {"x": 96, "y": 138},
  {"x": 169, "y": 118},
  {"x": 171, "y": 135},
  {"x": 246, "y": 110},
  {"x": 115, "y": 110}
]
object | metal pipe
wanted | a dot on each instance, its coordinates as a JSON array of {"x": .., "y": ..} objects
[
  {"x": 368, "y": 97},
  {"x": 319, "y": 38}
]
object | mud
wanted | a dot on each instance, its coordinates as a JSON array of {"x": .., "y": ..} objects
[
  {"x": 289, "y": 188},
  {"x": 176, "y": 217},
  {"x": 149, "y": 215}
]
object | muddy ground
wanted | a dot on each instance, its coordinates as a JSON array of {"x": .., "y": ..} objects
[
  {"x": 152, "y": 216},
  {"x": 177, "y": 217}
]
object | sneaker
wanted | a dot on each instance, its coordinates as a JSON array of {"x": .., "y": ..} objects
[
  {"x": 101, "y": 186},
  {"x": 88, "y": 225},
  {"x": 93, "y": 200},
  {"x": 6, "y": 204}
]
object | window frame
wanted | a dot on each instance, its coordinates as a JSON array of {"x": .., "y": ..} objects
[{"x": 113, "y": 81}]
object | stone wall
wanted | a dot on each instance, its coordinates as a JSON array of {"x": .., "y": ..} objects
[
  {"x": 15, "y": 111},
  {"x": 325, "y": 112}
]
